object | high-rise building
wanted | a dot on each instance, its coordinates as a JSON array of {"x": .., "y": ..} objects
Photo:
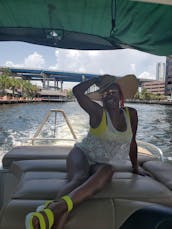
[
  {"x": 154, "y": 87},
  {"x": 168, "y": 78},
  {"x": 160, "y": 71}
]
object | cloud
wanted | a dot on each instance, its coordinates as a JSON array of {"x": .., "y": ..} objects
[
  {"x": 133, "y": 67},
  {"x": 35, "y": 60},
  {"x": 93, "y": 53},
  {"x": 117, "y": 62},
  {"x": 146, "y": 75},
  {"x": 10, "y": 64}
]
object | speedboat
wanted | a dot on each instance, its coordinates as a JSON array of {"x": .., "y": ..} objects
[{"x": 32, "y": 174}]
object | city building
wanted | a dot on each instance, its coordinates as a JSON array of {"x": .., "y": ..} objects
[
  {"x": 154, "y": 87},
  {"x": 160, "y": 71},
  {"x": 168, "y": 78}
]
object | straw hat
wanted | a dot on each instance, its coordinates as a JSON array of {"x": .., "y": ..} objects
[{"x": 128, "y": 85}]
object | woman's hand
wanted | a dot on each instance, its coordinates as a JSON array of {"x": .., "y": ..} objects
[
  {"x": 141, "y": 172},
  {"x": 97, "y": 80}
]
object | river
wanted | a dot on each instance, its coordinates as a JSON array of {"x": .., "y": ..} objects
[{"x": 18, "y": 122}]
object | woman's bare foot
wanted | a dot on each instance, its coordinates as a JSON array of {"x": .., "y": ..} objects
[
  {"x": 35, "y": 222},
  {"x": 59, "y": 209}
]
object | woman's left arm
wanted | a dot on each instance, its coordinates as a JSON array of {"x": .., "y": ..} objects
[{"x": 133, "y": 145}]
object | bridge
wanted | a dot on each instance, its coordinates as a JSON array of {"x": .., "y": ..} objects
[{"x": 45, "y": 76}]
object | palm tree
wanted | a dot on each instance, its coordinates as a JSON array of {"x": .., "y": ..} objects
[
  {"x": 14, "y": 84},
  {"x": 28, "y": 89},
  {"x": 34, "y": 90},
  {"x": 145, "y": 95},
  {"x": 137, "y": 95},
  {"x": 7, "y": 81},
  {"x": 24, "y": 87},
  {"x": 4, "y": 83}
]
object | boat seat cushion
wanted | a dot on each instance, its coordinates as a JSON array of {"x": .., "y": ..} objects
[
  {"x": 20, "y": 167},
  {"x": 102, "y": 214},
  {"x": 94, "y": 210},
  {"x": 143, "y": 158},
  {"x": 36, "y": 183},
  {"x": 161, "y": 171},
  {"x": 42, "y": 185},
  {"x": 48, "y": 182},
  {"x": 35, "y": 152},
  {"x": 138, "y": 187},
  {"x": 45, "y": 152}
]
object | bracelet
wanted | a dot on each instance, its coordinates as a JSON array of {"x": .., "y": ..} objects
[{"x": 69, "y": 202}]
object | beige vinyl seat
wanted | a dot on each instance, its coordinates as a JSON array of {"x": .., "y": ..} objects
[{"x": 39, "y": 178}]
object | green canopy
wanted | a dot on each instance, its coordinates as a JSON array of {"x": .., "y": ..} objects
[{"x": 88, "y": 24}]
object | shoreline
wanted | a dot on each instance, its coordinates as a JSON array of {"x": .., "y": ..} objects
[
  {"x": 16, "y": 101},
  {"x": 22, "y": 100},
  {"x": 163, "y": 102}
]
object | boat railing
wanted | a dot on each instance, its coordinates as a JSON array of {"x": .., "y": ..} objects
[
  {"x": 151, "y": 149},
  {"x": 55, "y": 111}
]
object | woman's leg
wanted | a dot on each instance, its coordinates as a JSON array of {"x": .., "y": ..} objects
[
  {"x": 93, "y": 184},
  {"x": 80, "y": 185},
  {"x": 78, "y": 171}
]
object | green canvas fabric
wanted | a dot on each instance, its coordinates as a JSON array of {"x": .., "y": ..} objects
[
  {"x": 144, "y": 26},
  {"x": 88, "y": 24}
]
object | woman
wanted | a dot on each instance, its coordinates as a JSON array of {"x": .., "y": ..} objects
[{"x": 112, "y": 136}]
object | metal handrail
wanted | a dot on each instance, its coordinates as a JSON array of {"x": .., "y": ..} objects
[
  {"x": 46, "y": 119},
  {"x": 151, "y": 146}
]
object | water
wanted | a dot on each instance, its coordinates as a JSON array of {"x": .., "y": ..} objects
[{"x": 19, "y": 122}]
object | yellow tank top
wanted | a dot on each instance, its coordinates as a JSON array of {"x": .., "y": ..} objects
[
  {"x": 108, "y": 132},
  {"x": 106, "y": 144}
]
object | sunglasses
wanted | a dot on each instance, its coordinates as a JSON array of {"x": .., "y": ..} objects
[{"x": 110, "y": 92}]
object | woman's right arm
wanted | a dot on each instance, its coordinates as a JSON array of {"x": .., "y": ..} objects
[{"x": 84, "y": 101}]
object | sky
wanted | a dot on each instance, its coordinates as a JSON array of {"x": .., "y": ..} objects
[{"x": 117, "y": 62}]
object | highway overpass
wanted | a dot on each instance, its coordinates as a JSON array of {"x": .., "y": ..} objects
[{"x": 45, "y": 76}]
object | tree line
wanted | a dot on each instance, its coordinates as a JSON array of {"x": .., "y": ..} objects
[
  {"x": 25, "y": 88},
  {"x": 145, "y": 95},
  {"x": 18, "y": 86}
]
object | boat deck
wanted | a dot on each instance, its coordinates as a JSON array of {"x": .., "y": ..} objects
[{"x": 36, "y": 173}]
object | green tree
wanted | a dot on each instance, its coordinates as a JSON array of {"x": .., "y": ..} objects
[
  {"x": 145, "y": 95},
  {"x": 14, "y": 84},
  {"x": 33, "y": 90},
  {"x": 70, "y": 94},
  {"x": 137, "y": 95},
  {"x": 8, "y": 81},
  {"x": 4, "y": 83}
]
